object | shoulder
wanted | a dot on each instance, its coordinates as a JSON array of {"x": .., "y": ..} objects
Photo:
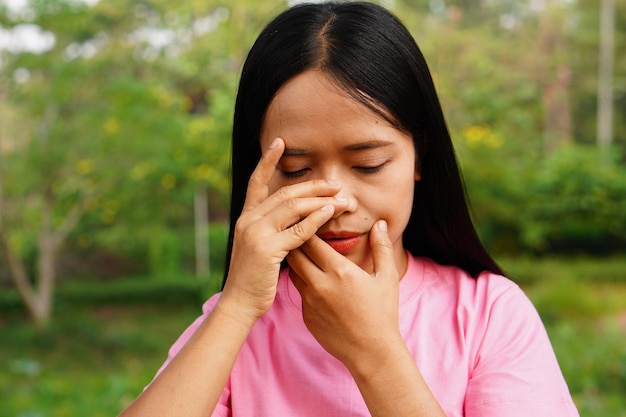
[
  {"x": 512, "y": 367},
  {"x": 481, "y": 292},
  {"x": 488, "y": 311}
]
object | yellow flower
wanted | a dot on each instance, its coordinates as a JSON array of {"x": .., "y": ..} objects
[
  {"x": 84, "y": 166},
  {"x": 111, "y": 126},
  {"x": 481, "y": 135},
  {"x": 168, "y": 181}
]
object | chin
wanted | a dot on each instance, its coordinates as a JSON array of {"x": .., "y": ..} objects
[{"x": 365, "y": 263}]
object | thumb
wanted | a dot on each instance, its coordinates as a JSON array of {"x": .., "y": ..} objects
[{"x": 382, "y": 251}]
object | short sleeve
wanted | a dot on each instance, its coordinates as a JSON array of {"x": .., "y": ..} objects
[
  {"x": 516, "y": 373},
  {"x": 221, "y": 410}
]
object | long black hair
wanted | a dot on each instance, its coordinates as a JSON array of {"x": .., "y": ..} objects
[{"x": 368, "y": 52}]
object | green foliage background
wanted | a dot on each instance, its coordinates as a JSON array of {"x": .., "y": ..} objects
[
  {"x": 128, "y": 115},
  {"x": 116, "y": 127}
]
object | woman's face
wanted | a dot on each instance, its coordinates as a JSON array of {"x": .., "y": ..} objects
[{"x": 329, "y": 135}]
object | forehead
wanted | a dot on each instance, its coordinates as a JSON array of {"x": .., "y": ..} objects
[{"x": 313, "y": 107}]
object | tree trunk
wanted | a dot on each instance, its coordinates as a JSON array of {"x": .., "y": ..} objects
[
  {"x": 37, "y": 293},
  {"x": 605, "y": 73},
  {"x": 556, "y": 80},
  {"x": 201, "y": 211},
  {"x": 47, "y": 259},
  {"x": 17, "y": 270},
  {"x": 38, "y": 302}
]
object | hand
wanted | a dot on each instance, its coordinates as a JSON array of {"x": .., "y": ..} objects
[
  {"x": 352, "y": 314},
  {"x": 269, "y": 227}
]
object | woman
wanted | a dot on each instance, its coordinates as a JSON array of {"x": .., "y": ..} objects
[{"x": 356, "y": 282}]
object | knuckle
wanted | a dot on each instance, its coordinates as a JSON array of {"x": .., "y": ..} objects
[
  {"x": 242, "y": 230},
  {"x": 252, "y": 243},
  {"x": 291, "y": 204},
  {"x": 342, "y": 270},
  {"x": 246, "y": 233},
  {"x": 241, "y": 225},
  {"x": 299, "y": 231},
  {"x": 254, "y": 178},
  {"x": 283, "y": 193},
  {"x": 386, "y": 244}
]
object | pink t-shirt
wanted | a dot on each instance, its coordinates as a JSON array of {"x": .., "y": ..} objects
[{"x": 479, "y": 344}]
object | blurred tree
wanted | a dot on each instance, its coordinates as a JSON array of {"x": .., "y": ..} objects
[
  {"x": 112, "y": 127},
  {"x": 555, "y": 75},
  {"x": 115, "y": 125},
  {"x": 528, "y": 69},
  {"x": 517, "y": 78}
]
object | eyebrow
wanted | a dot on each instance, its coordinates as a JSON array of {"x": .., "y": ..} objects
[
  {"x": 296, "y": 152},
  {"x": 372, "y": 144}
]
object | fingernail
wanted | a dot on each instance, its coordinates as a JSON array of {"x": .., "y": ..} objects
[
  {"x": 274, "y": 144},
  {"x": 382, "y": 226},
  {"x": 328, "y": 207}
]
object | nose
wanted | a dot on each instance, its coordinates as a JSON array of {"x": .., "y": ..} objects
[
  {"x": 346, "y": 197},
  {"x": 347, "y": 202}
]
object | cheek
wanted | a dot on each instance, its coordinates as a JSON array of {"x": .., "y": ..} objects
[
  {"x": 402, "y": 206},
  {"x": 276, "y": 182}
]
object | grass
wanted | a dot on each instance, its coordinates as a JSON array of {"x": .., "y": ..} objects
[
  {"x": 593, "y": 360},
  {"x": 582, "y": 301},
  {"x": 530, "y": 270},
  {"x": 104, "y": 346},
  {"x": 89, "y": 362}
]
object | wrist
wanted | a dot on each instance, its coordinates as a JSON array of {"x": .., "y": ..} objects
[
  {"x": 376, "y": 358},
  {"x": 238, "y": 314}
]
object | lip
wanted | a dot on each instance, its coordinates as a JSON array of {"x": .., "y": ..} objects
[{"x": 342, "y": 242}]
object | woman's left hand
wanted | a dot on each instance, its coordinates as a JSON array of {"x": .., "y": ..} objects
[{"x": 351, "y": 313}]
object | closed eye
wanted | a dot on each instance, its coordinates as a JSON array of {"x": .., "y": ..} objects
[
  {"x": 371, "y": 170},
  {"x": 294, "y": 174}
]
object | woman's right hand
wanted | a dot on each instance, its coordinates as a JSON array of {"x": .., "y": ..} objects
[{"x": 271, "y": 225}]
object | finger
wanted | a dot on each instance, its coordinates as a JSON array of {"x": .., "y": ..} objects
[
  {"x": 294, "y": 275},
  {"x": 304, "y": 273},
  {"x": 382, "y": 251},
  {"x": 304, "y": 230},
  {"x": 258, "y": 185},
  {"x": 287, "y": 198},
  {"x": 320, "y": 256},
  {"x": 321, "y": 253},
  {"x": 292, "y": 211},
  {"x": 301, "y": 264}
]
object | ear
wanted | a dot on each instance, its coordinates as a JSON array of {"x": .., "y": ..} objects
[
  {"x": 419, "y": 157},
  {"x": 417, "y": 174}
]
